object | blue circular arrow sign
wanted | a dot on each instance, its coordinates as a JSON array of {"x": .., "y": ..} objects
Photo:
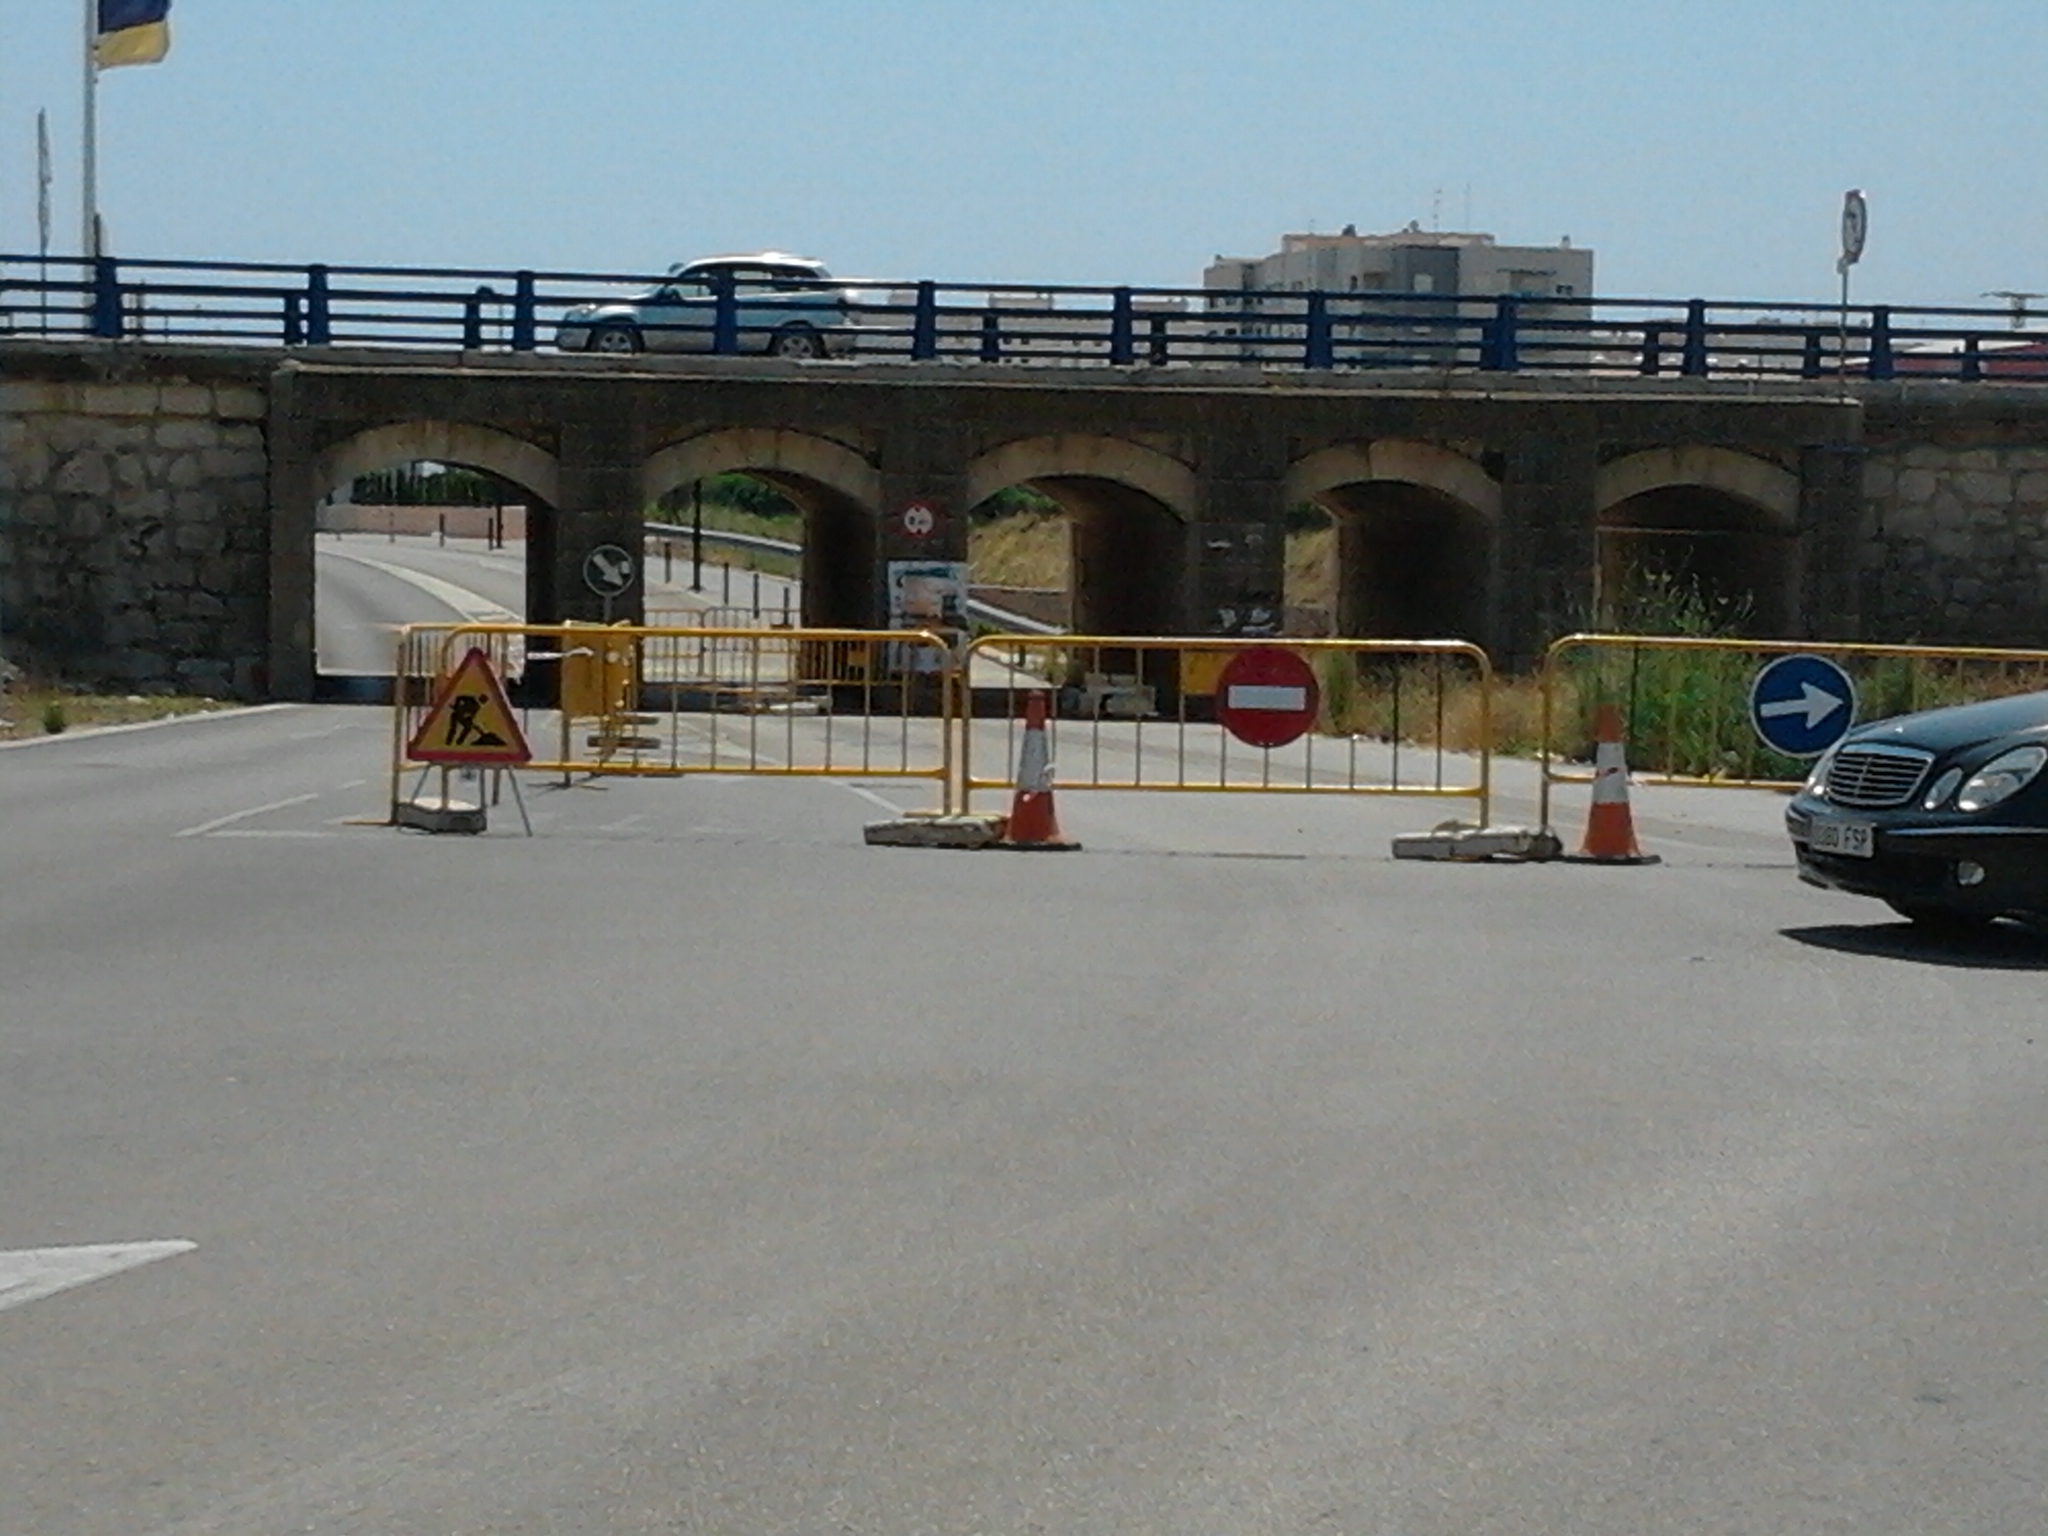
[{"x": 1802, "y": 705}]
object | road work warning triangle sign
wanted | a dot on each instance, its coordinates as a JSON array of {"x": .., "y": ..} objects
[{"x": 471, "y": 721}]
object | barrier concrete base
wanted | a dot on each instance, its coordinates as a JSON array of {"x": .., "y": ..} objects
[
  {"x": 1459, "y": 841},
  {"x": 937, "y": 832},
  {"x": 433, "y": 813}
]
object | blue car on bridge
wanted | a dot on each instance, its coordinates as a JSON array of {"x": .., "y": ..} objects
[{"x": 785, "y": 306}]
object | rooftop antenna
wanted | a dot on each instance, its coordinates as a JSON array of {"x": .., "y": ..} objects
[
  {"x": 1436, "y": 211},
  {"x": 2017, "y": 300}
]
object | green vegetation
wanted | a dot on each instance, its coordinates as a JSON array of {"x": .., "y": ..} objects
[
  {"x": 415, "y": 485},
  {"x": 1684, "y": 711},
  {"x": 735, "y": 504}
]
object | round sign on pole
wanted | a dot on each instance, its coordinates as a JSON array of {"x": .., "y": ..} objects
[
  {"x": 1802, "y": 705},
  {"x": 1855, "y": 227},
  {"x": 1267, "y": 696},
  {"x": 608, "y": 570},
  {"x": 919, "y": 519}
]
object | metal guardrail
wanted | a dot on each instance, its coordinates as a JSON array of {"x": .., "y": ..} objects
[
  {"x": 478, "y": 309},
  {"x": 977, "y": 611},
  {"x": 1685, "y": 701},
  {"x": 1150, "y": 710}
]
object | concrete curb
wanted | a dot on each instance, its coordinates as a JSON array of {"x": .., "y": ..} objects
[
  {"x": 92, "y": 732},
  {"x": 936, "y": 832}
]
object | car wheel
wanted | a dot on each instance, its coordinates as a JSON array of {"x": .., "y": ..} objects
[
  {"x": 1943, "y": 920},
  {"x": 796, "y": 341},
  {"x": 615, "y": 339}
]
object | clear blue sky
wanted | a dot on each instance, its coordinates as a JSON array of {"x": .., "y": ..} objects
[{"x": 1699, "y": 148}]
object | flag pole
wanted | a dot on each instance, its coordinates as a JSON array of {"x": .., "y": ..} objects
[{"x": 89, "y": 238}]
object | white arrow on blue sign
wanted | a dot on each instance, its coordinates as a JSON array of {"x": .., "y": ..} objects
[{"x": 1802, "y": 705}]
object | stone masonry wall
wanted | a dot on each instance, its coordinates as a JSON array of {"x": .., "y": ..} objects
[
  {"x": 134, "y": 533},
  {"x": 1957, "y": 544}
]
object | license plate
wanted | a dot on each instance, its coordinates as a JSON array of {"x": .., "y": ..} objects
[{"x": 1848, "y": 839}]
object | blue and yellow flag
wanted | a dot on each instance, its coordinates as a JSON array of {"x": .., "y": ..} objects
[{"x": 132, "y": 32}]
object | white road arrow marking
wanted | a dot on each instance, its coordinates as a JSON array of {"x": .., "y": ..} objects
[
  {"x": 29, "y": 1274},
  {"x": 1814, "y": 703}
]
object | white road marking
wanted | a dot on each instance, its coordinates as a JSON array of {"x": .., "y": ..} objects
[
  {"x": 271, "y": 832},
  {"x": 352, "y": 784},
  {"x": 255, "y": 810},
  {"x": 868, "y": 794},
  {"x": 29, "y": 1274}
]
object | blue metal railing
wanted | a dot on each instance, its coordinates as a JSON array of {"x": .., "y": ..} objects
[{"x": 476, "y": 310}]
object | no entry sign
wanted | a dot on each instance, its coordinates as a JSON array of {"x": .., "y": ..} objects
[{"x": 1266, "y": 696}]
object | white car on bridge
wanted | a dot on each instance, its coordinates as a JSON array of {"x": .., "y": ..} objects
[{"x": 785, "y": 306}]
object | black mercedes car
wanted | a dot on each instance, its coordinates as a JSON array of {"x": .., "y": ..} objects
[{"x": 1944, "y": 814}]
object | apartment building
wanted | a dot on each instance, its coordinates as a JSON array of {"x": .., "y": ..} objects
[
  {"x": 1412, "y": 260},
  {"x": 1441, "y": 277}
]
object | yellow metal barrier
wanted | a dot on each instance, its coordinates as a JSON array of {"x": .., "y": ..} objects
[
  {"x": 1393, "y": 717},
  {"x": 1685, "y": 701},
  {"x": 645, "y": 701}
]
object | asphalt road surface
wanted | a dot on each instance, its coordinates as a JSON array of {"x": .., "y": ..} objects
[
  {"x": 690, "y": 1167},
  {"x": 368, "y": 585}
]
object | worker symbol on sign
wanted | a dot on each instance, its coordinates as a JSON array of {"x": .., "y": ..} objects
[
  {"x": 463, "y": 730},
  {"x": 470, "y": 721}
]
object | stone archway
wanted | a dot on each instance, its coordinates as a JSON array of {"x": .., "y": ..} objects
[
  {"x": 445, "y": 442},
  {"x": 336, "y": 660},
  {"x": 1416, "y": 532},
  {"x": 838, "y": 491},
  {"x": 1692, "y": 518},
  {"x": 1128, "y": 509}
]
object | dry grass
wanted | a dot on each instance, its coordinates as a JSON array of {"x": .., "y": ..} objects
[
  {"x": 1434, "y": 705},
  {"x": 1312, "y": 569},
  {"x": 27, "y": 710},
  {"x": 1030, "y": 550}
]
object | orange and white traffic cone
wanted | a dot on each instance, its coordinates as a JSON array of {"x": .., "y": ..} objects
[
  {"x": 1610, "y": 830},
  {"x": 1033, "y": 823}
]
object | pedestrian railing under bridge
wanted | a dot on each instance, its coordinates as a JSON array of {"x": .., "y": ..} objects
[{"x": 1042, "y": 325}]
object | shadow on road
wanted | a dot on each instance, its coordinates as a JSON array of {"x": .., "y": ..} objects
[{"x": 2001, "y": 948}]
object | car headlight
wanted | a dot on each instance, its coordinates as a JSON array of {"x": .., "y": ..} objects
[
  {"x": 1943, "y": 787},
  {"x": 1817, "y": 779},
  {"x": 2001, "y": 778}
]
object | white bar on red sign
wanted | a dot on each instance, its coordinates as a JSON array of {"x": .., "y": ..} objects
[{"x": 1268, "y": 696}]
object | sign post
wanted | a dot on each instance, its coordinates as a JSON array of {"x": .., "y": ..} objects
[{"x": 1855, "y": 230}]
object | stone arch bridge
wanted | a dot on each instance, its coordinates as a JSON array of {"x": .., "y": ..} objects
[{"x": 161, "y": 501}]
